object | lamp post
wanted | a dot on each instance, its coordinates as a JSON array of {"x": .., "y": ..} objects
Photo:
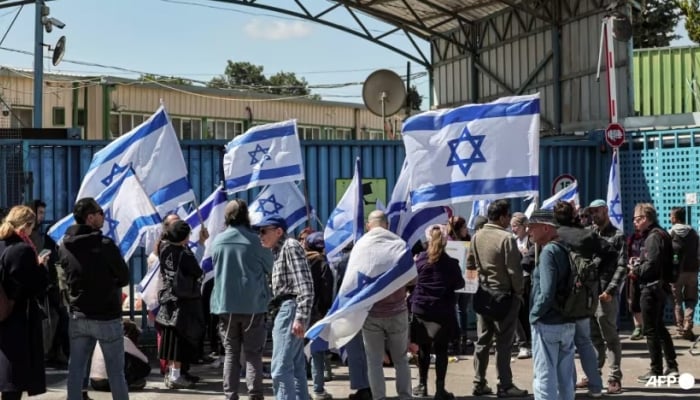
[{"x": 38, "y": 63}]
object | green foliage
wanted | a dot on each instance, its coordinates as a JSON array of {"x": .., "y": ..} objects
[
  {"x": 165, "y": 79},
  {"x": 653, "y": 26},
  {"x": 287, "y": 83},
  {"x": 691, "y": 10},
  {"x": 413, "y": 98},
  {"x": 247, "y": 76}
]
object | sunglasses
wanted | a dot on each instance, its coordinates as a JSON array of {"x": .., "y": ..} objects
[
  {"x": 637, "y": 217},
  {"x": 265, "y": 231}
]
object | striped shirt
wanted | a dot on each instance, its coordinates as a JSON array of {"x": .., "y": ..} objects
[{"x": 291, "y": 275}]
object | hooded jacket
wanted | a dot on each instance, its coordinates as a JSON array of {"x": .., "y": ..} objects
[
  {"x": 95, "y": 272},
  {"x": 687, "y": 246}
]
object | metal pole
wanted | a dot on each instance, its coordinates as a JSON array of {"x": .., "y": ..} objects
[{"x": 38, "y": 65}]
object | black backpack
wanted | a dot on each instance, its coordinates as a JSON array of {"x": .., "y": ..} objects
[
  {"x": 670, "y": 261},
  {"x": 580, "y": 300}
]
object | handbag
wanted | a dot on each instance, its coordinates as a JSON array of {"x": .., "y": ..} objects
[
  {"x": 490, "y": 302},
  {"x": 184, "y": 286}
]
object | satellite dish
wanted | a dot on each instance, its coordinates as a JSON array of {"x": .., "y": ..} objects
[
  {"x": 58, "y": 51},
  {"x": 621, "y": 27},
  {"x": 384, "y": 93}
]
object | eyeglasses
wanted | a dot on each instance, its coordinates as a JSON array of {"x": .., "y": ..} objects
[
  {"x": 638, "y": 217},
  {"x": 264, "y": 231}
]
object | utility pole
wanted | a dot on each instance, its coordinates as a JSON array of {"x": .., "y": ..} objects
[{"x": 38, "y": 64}]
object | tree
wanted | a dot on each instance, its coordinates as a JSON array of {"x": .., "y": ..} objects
[
  {"x": 287, "y": 83},
  {"x": 165, "y": 79},
  {"x": 413, "y": 98},
  {"x": 691, "y": 10},
  {"x": 653, "y": 26},
  {"x": 242, "y": 75}
]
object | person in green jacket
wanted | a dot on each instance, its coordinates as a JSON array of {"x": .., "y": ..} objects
[{"x": 240, "y": 297}]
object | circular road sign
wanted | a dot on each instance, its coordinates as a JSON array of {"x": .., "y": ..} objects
[
  {"x": 562, "y": 181},
  {"x": 615, "y": 134}
]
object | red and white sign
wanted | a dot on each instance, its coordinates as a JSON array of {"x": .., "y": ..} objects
[
  {"x": 615, "y": 135},
  {"x": 562, "y": 181}
]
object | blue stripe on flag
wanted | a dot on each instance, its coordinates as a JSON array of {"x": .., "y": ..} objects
[
  {"x": 271, "y": 173},
  {"x": 159, "y": 121},
  {"x": 432, "y": 122},
  {"x": 419, "y": 219},
  {"x": 132, "y": 235},
  {"x": 475, "y": 187},
  {"x": 171, "y": 191},
  {"x": 296, "y": 216},
  {"x": 263, "y": 134},
  {"x": 207, "y": 265},
  {"x": 340, "y": 235}
]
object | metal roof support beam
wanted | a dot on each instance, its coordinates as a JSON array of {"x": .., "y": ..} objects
[
  {"x": 533, "y": 74},
  {"x": 556, "y": 70},
  {"x": 525, "y": 7}
]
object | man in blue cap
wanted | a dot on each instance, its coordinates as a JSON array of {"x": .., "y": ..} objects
[{"x": 292, "y": 299}]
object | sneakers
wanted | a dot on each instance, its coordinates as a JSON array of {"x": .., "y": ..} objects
[
  {"x": 593, "y": 395},
  {"x": 420, "y": 391},
  {"x": 361, "y": 394},
  {"x": 614, "y": 387},
  {"x": 582, "y": 384},
  {"x": 481, "y": 389},
  {"x": 443, "y": 395},
  {"x": 322, "y": 396},
  {"x": 511, "y": 391},
  {"x": 524, "y": 353},
  {"x": 645, "y": 378},
  {"x": 672, "y": 372},
  {"x": 637, "y": 334},
  {"x": 179, "y": 383}
]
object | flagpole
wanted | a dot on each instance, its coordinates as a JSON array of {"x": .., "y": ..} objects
[{"x": 305, "y": 190}]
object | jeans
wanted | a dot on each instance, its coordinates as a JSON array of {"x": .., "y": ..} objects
[
  {"x": 84, "y": 333},
  {"x": 606, "y": 339},
  {"x": 587, "y": 355},
  {"x": 288, "y": 361},
  {"x": 394, "y": 332},
  {"x": 685, "y": 298},
  {"x": 553, "y": 359},
  {"x": 357, "y": 363},
  {"x": 653, "y": 300},
  {"x": 504, "y": 331},
  {"x": 463, "y": 300},
  {"x": 522, "y": 329},
  {"x": 246, "y": 331},
  {"x": 318, "y": 363}
]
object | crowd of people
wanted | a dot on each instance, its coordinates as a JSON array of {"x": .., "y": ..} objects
[{"x": 548, "y": 286}]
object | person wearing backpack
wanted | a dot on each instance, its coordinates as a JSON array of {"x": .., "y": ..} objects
[
  {"x": 588, "y": 251},
  {"x": 604, "y": 324},
  {"x": 552, "y": 331},
  {"x": 649, "y": 270},
  {"x": 684, "y": 240}
]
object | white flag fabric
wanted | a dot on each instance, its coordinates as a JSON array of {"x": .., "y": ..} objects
[
  {"x": 283, "y": 199},
  {"x": 410, "y": 225},
  {"x": 379, "y": 264},
  {"x": 346, "y": 222},
  {"x": 128, "y": 214},
  {"x": 152, "y": 150},
  {"x": 568, "y": 194},
  {"x": 477, "y": 151},
  {"x": 479, "y": 207},
  {"x": 264, "y": 155},
  {"x": 212, "y": 211},
  {"x": 614, "y": 200}
]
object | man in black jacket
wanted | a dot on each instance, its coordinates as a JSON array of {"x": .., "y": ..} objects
[
  {"x": 95, "y": 273},
  {"x": 647, "y": 270}
]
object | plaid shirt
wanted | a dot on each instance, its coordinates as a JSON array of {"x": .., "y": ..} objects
[{"x": 291, "y": 275}]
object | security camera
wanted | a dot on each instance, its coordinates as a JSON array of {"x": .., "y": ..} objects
[
  {"x": 57, "y": 22},
  {"x": 5, "y": 110}
]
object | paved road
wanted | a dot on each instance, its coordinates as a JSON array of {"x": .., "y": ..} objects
[{"x": 635, "y": 362}]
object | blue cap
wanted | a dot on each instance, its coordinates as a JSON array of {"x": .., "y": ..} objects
[
  {"x": 315, "y": 241},
  {"x": 272, "y": 220},
  {"x": 598, "y": 203}
]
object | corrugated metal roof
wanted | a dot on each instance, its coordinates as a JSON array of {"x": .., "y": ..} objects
[{"x": 430, "y": 17}]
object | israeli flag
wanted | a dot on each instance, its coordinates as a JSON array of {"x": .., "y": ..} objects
[
  {"x": 152, "y": 150},
  {"x": 614, "y": 200},
  {"x": 473, "y": 152},
  {"x": 128, "y": 214},
  {"x": 149, "y": 287},
  {"x": 212, "y": 216},
  {"x": 264, "y": 155},
  {"x": 479, "y": 207},
  {"x": 283, "y": 199},
  {"x": 346, "y": 223},
  {"x": 379, "y": 264},
  {"x": 568, "y": 194},
  {"x": 411, "y": 225}
]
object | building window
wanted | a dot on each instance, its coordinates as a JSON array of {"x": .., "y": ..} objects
[
  {"x": 21, "y": 117},
  {"x": 342, "y": 134},
  {"x": 58, "y": 116},
  {"x": 309, "y": 133},
  {"x": 223, "y": 130},
  {"x": 121, "y": 123},
  {"x": 370, "y": 134},
  {"x": 81, "y": 117}
]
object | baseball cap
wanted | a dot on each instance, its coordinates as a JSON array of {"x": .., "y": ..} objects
[
  {"x": 544, "y": 217},
  {"x": 272, "y": 220}
]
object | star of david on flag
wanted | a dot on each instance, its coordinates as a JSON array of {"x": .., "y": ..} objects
[
  {"x": 153, "y": 152},
  {"x": 128, "y": 214},
  {"x": 474, "y": 152},
  {"x": 283, "y": 199},
  {"x": 264, "y": 155},
  {"x": 613, "y": 198}
]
